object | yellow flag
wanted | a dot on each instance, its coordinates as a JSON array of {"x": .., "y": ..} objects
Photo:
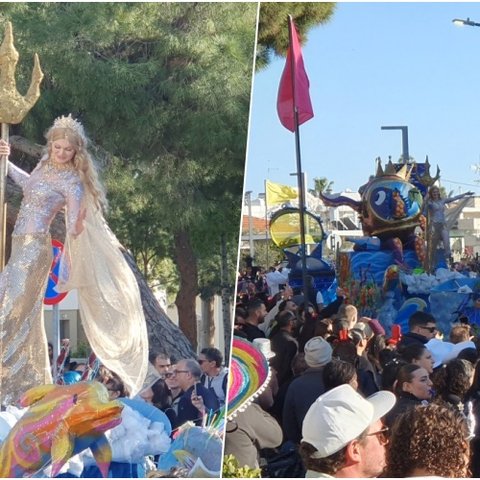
[{"x": 277, "y": 193}]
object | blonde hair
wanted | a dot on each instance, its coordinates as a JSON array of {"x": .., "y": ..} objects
[{"x": 82, "y": 160}]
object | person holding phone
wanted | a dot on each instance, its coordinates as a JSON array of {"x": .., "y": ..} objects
[{"x": 196, "y": 400}]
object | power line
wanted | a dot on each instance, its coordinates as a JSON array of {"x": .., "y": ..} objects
[{"x": 459, "y": 183}]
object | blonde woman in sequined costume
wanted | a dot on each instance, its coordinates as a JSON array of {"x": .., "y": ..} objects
[
  {"x": 434, "y": 208},
  {"x": 110, "y": 305}
]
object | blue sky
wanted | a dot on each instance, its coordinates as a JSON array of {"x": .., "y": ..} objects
[{"x": 377, "y": 64}]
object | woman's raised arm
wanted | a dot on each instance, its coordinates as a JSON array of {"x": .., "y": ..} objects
[{"x": 18, "y": 175}]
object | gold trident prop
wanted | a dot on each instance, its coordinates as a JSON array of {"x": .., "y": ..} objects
[{"x": 13, "y": 108}]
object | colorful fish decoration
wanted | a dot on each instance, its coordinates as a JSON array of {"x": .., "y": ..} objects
[{"x": 62, "y": 421}]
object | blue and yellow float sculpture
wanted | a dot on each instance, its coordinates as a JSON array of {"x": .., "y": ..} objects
[{"x": 390, "y": 209}]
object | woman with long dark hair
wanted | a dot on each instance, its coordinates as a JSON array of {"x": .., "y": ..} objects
[
  {"x": 412, "y": 387},
  {"x": 418, "y": 354}
]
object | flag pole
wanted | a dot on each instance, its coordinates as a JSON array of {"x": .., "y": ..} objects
[
  {"x": 266, "y": 222},
  {"x": 300, "y": 183}
]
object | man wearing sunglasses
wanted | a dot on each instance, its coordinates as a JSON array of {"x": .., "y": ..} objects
[
  {"x": 343, "y": 434},
  {"x": 187, "y": 373},
  {"x": 214, "y": 375},
  {"x": 422, "y": 328}
]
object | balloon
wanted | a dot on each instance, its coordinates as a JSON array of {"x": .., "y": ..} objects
[
  {"x": 62, "y": 421},
  {"x": 71, "y": 377}
]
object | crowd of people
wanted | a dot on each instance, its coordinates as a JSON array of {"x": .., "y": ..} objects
[
  {"x": 347, "y": 400},
  {"x": 184, "y": 389}
]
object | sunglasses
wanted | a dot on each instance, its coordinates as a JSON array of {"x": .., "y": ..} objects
[
  {"x": 430, "y": 329},
  {"x": 381, "y": 434}
]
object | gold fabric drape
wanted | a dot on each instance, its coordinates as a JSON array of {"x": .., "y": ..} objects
[{"x": 109, "y": 297}]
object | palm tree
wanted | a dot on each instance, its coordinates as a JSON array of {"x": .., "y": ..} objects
[{"x": 321, "y": 185}]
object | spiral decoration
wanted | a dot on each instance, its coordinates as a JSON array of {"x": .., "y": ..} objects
[{"x": 249, "y": 375}]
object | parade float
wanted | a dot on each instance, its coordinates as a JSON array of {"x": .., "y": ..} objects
[
  {"x": 399, "y": 266},
  {"x": 284, "y": 231}
]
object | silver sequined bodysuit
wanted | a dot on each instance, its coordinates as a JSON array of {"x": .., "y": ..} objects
[
  {"x": 24, "y": 359},
  {"x": 46, "y": 192},
  {"x": 437, "y": 210}
]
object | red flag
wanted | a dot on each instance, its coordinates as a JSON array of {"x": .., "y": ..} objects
[{"x": 293, "y": 90}]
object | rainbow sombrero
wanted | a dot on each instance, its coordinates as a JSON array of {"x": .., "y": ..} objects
[{"x": 249, "y": 375}]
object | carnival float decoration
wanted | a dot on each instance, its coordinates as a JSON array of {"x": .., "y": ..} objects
[
  {"x": 61, "y": 421},
  {"x": 390, "y": 210},
  {"x": 397, "y": 267},
  {"x": 284, "y": 231},
  {"x": 196, "y": 451},
  {"x": 13, "y": 109}
]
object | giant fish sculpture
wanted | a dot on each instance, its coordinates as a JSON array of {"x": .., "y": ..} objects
[
  {"x": 62, "y": 421},
  {"x": 390, "y": 209}
]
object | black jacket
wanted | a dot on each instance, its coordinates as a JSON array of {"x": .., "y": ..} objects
[
  {"x": 410, "y": 338},
  {"x": 285, "y": 348},
  {"x": 252, "y": 332},
  {"x": 405, "y": 402},
  {"x": 188, "y": 412},
  {"x": 301, "y": 394}
]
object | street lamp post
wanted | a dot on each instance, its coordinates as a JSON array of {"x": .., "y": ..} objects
[
  {"x": 405, "y": 151},
  {"x": 248, "y": 197},
  {"x": 459, "y": 22}
]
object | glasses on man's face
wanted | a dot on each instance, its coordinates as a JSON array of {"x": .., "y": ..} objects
[
  {"x": 381, "y": 434},
  {"x": 429, "y": 329},
  {"x": 175, "y": 372}
]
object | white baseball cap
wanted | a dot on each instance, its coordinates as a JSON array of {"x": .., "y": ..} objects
[{"x": 340, "y": 415}]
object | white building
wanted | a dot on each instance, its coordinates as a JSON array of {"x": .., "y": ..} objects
[{"x": 465, "y": 238}]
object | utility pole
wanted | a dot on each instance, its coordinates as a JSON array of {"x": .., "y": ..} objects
[{"x": 248, "y": 198}]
